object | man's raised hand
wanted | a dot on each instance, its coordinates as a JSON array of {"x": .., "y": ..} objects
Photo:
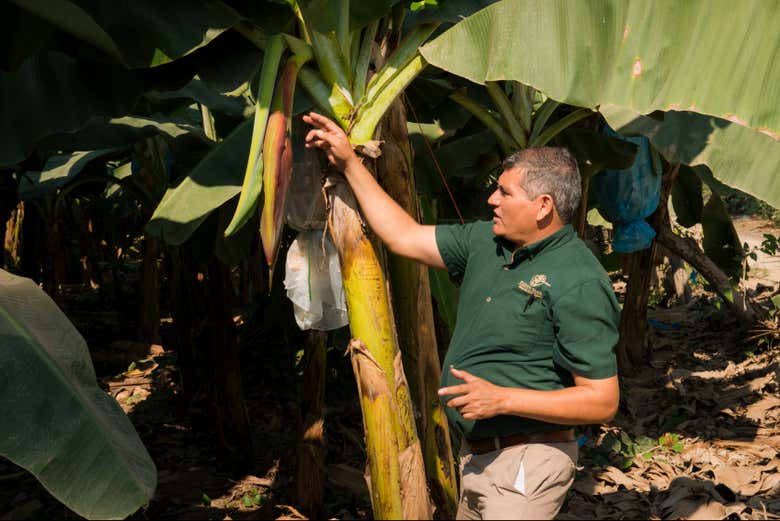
[{"x": 331, "y": 139}]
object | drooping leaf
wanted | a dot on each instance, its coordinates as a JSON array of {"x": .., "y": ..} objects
[
  {"x": 51, "y": 93},
  {"x": 116, "y": 132},
  {"x": 720, "y": 241},
  {"x": 363, "y": 12},
  {"x": 57, "y": 171},
  {"x": 197, "y": 90},
  {"x": 596, "y": 152},
  {"x": 687, "y": 197},
  {"x": 74, "y": 20},
  {"x": 463, "y": 157},
  {"x": 253, "y": 176},
  {"x": 170, "y": 29},
  {"x": 58, "y": 424},
  {"x": 736, "y": 155},
  {"x": 701, "y": 55},
  {"x": 448, "y": 12},
  {"x": 214, "y": 180}
]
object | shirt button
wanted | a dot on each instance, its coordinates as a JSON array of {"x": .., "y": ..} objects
[
  {"x": 506, "y": 268},
  {"x": 488, "y": 299}
]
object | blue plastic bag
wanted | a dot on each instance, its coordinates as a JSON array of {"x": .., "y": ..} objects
[{"x": 627, "y": 197}]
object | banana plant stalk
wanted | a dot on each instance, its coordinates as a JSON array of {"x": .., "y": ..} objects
[{"x": 411, "y": 294}]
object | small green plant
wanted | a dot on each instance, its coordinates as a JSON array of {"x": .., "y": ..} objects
[
  {"x": 671, "y": 442},
  {"x": 621, "y": 450},
  {"x": 252, "y": 499},
  {"x": 205, "y": 500},
  {"x": 771, "y": 244}
]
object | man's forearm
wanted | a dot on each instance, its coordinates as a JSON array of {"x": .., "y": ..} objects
[
  {"x": 385, "y": 217},
  {"x": 576, "y": 405}
]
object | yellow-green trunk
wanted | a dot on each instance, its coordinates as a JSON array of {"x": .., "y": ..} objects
[
  {"x": 411, "y": 296},
  {"x": 371, "y": 322}
]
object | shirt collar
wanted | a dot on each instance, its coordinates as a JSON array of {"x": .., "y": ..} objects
[{"x": 513, "y": 255}]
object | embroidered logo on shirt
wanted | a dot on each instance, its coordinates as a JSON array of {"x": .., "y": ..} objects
[
  {"x": 527, "y": 288},
  {"x": 539, "y": 280}
]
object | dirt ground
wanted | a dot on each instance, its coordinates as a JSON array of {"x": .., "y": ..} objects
[{"x": 697, "y": 436}]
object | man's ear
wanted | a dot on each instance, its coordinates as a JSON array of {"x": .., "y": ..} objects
[{"x": 546, "y": 207}]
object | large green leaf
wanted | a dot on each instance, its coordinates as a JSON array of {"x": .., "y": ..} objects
[
  {"x": 720, "y": 240},
  {"x": 145, "y": 33},
  {"x": 737, "y": 156},
  {"x": 106, "y": 133},
  {"x": 197, "y": 90},
  {"x": 707, "y": 56},
  {"x": 72, "y": 19},
  {"x": 687, "y": 197},
  {"x": 57, "y": 171},
  {"x": 215, "y": 180},
  {"x": 57, "y": 423},
  {"x": 52, "y": 93},
  {"x": 596, "y": 152},
  {"x": 465, "y": 157}
]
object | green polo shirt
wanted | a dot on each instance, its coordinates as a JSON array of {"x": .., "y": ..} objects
[{"x": 527, "y": 318}]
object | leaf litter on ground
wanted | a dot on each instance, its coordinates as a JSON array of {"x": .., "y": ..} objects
[{"x": 698, "y": 435}]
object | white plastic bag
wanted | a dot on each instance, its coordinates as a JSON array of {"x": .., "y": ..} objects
[{"x": 313, "y": 282}]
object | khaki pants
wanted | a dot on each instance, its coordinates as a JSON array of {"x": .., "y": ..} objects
[{"x": 521, "y": 482}]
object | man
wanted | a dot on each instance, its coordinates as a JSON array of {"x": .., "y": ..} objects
[{"x": 532, "y": 351}]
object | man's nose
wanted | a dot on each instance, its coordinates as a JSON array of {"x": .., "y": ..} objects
[{"x": 493, "y": 200}]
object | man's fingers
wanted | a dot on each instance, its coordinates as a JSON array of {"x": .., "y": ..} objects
[
  {"x": 455, "y": 389},
  {"x": 458, "y": 402},
  {"x": 463, "y": 375},
  {"x": 321, "y": 120}
]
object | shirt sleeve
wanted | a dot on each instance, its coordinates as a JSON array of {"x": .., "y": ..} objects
[
  {"x": 586, "y": 321},
  {"x": 454, "y": 243}
]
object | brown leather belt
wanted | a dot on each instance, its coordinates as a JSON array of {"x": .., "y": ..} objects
[{"x": 490, "y": 444}]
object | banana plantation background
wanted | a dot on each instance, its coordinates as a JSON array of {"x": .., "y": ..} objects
[{"x": 196, "y": 323}]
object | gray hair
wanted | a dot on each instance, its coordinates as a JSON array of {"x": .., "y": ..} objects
[{"x": 552, "y": 171}]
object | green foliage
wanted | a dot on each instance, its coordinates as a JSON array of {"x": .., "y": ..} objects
[
  {"x": 252, "y": 499},
  {"x": 619, "y": 448},
  {"x": 687, "y": 197},
  {"x": 771, "y": 244},
  {"x": 422, "y": 4},
  {"x": 720, "y": 241},
  {"x": 71, "y": 435},
  {"x": 619, "y": 52}
]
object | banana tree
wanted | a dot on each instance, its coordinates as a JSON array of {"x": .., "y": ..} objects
[
  {"x": 339, "y": 85},
  {"x": 628, "y": 59},
  {"x": 340, "y": 53}
]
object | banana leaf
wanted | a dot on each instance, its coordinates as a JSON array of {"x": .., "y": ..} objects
[
  {"x": 736, "y": 155},
  {"x": 214, "y": 181},
  {"x": 253, "y": 176},
  {"x": 75, "y": 21},
  {"x": 58, "y": 424},
  {"x": 687, "y": 198},
  {"x": 170, "y": 29},
  {"x": 122, "y": 131},
  {"x": 704, "y": 56},
  {"x": 720, "y": 239},
  {"x": 57, "y": 171}
]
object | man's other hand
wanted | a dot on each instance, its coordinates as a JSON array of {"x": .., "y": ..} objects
[
  {"x": 331, "y": 139},
  {"x": 476, "y": 399}
]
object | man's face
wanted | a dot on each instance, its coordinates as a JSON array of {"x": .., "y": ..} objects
[{"x": 515, "y": 215}]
